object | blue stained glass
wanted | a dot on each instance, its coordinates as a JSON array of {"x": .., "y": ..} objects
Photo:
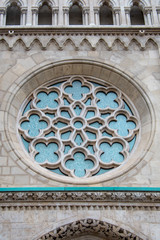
[
  {"x": 106, "y": 100},
  {"x": 57, "y": 170},
  {"x": 65, "y": 114},
  {"x": 105, "y": 115},
  {"x": 127, "y": 108},
  {"x": 95, "y": 125},
  {"x": 91, "y": 135},
  {"x": 111, "y": 152},
  {"x": 66, "y": 135},
  {"x": 56, "y": 84},
  {"x": 60, "y": 124},
  {"x": 51, "y": 134},
  {"x": 78, "y": 139},
  {"x": 90, "y": 114},
  {"x": 66, "y": 149},
  {"x": 132, "y": 143},
  {"x": 91, "y": 149},
  {"x": 66, "y": 102},
  {"x": 79, "y": 164},
  {"x": 50, "y": 115},
  {"x": 26, "y": 143},
  {"x": 33, "y": 125},
  {"x": 102, "y": 171},
  {"x": 88, "y": 102},
  {"x": 122, "y": 125},
  {"x": 78, "y": 124},
  {"x": 47, "y": 100},
  {"x": 46, "y": 152},
  {"x": 78, "y": 110},
  {"x": 27, "y": 108},
  {"x": 105, "y": 134},
  {"x": 77, "y": 90}
]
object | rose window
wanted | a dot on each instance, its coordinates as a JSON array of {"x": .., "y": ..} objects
[{"x": 78, "y": 128}]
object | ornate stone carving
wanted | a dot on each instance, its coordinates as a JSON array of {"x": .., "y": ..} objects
[{"x": 89, "y": 226}]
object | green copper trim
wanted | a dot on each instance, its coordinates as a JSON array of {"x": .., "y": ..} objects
[{"x": 78, "y": 189}]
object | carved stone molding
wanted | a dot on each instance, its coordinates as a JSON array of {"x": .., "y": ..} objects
[
  {"x": 91, "y": 39},
  {"x": 89, "y": 226},
  {"x": 69, "y": 200}
]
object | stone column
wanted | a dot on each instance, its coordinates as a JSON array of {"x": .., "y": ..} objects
[
  {"x": 24, "y": 16},
  {"x": 96, "y": 16},
  {"x": 86, "y": 16},
  {"x": 66, "y": 15},
  {"x": 158, "y": 14},
  {"x": 34, "y": 16},
  {"x": 148, "y": 12},
  {"x": 127, "y": 14},
  {"x": 116, "y": 16},
  {"x": 2, "y": 14},
  {"x": 55, "y": 16}
]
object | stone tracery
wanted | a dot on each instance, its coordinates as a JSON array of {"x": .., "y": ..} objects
[{"x": 84, "y": 128}]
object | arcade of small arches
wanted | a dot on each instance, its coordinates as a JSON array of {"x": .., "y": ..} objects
[{"x": 76, "y": 13}]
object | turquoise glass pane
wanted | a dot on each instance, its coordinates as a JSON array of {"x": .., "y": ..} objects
[
  {"x": 106, "y": 100},
  {"x": 78, "y": 124},
  {"x": 51, "y": 134},
  {"x": 122, "y": 125},
  {"x": 56, "y": 84},
  {"x": 77, "y": 110},
  {"x": 77, "y": 90},
  {"x": 91, "y": 135},
  {"x": 25, "y": 143},
  {"x": 50, "y": 115},
  {"x": 111, "y": 153},
  {"x": 66, "y": 102},
  {"x": 105, "y": 134},
  {"x": 105, "y": 115},
  {"x": 91, "y": 149},
  {"x": 88, "y": 102},
  {"x": 33, "y": 125},
  {"x": 66, "y": 135},
  {"x": 95, "y": 125},
  {"x": 132, "y": 143},
  {"x": 60, "y": 124},
  {"x": 90, "y": 114},
  {"x": 126, "y": 107},
  {"x": 66, "y": 149},
  {"x": 57, "y": 170},
  {"x": 27, "y": 108},
  {"x": 79, "y": 164},
  {"x": 78, "y": 139},
  {"x": 46, "y": 153},
  {"x": 47, "y": 100},
  {"x": 65, "y": 114}
]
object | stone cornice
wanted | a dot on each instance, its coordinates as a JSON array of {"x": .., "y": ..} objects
[{"x": 107, "y": 199}]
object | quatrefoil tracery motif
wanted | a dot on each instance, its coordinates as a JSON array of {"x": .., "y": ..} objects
[{"x": 78, "y": 128}]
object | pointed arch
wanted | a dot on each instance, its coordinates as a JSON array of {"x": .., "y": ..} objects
[
  {"x": 75, "y": 14},
  {"x": 136, "y": 14},
  {"x": 13, "y": 14},
  {"x": 111, "y": 3},
  {"x": 45, "y": 14},
  {"x": 19, "y": 3},
  {"x": 80, "y": 2},
  {"x": 105, "y": 14},
  {"x": 89, "y": 226},
  {"x": 50, "y": 3}
]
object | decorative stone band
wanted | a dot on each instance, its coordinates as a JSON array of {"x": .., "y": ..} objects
[
  {"x": 90, "y": 226},
  {"x": 107, "y": 199}
]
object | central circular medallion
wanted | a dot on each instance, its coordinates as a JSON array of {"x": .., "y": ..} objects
[{"x": 78, "y": 124}]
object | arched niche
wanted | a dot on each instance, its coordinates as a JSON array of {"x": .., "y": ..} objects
[
  {"x": 45, "y": 14},
  {"x": 13, "y": 14},
  {"x": 75, "y": 14},
  {"x": 136, "y": 15},
  {"x": 105, "y": 15}
]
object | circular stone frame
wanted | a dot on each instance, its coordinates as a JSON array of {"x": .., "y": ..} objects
[{"x": 24, "y": 86}]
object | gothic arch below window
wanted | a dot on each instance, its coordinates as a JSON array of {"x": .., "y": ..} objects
[{"x": 87, "y": 229}]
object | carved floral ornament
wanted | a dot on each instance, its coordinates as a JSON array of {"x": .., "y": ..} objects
[{"x": 78, "y": 127}]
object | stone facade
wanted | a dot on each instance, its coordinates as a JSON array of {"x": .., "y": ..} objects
[{"x": 122, "y": 54}]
